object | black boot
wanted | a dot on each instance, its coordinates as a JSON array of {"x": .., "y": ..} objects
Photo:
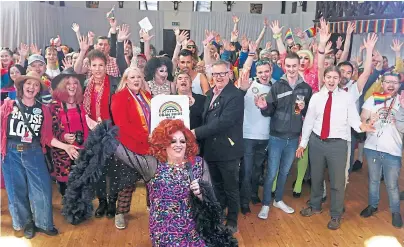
[
  {"x": 111, "y": 207},
  {"x": 102, "y": 208}
]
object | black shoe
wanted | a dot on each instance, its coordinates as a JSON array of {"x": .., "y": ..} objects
[
  {"x": 368, "y": 211},
  {"x": 255, "y": 200},
  {"x": 402, "y": 195},
  {"x": 111, "y": 207},
  {"x": 397, "y": 221},
  {"x": 296, "y": 195},
  {"x": 102, "y": 208},
  {"x": 52, "y": 232},
  {"x": 29, "y": 230},
  {"x": 245, "y": 210},
  {"x": 357, "y": 166}
]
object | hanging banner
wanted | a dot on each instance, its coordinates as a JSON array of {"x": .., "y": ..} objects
[
  {"x": 383, "y": 25},
  {"x": 402, "y": 26},
  {"x": 376, "y": 26},
  {"x": 367, "y": 26},
  {"x": 361, "y": 26},
  {"x": 395, "y": 26},
  {"x": 344, "y": 26}
]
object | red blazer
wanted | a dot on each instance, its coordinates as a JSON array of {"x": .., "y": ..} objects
[{"x": 126, "y": 116}]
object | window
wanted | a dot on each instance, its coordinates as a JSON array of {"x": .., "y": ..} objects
[
  {"x": 149, "y": 5},
  {"x": 202, "y": 6}
]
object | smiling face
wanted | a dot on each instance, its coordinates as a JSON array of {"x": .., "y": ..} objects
[
  {"x": 304, "y": 62},
  {"x": 346, "y": 73},
  {"x": 264, "y": 73},
  {"x": 292, "y": 67},
  {"x": 37, "y": 66},
  {"x": 331, "y": 80},
  {"x": 220, "y": 74},
  {"x": 185, "y": 63},
  {"x": 134, "y": 81},
  {"x": 128, "y": 50},
  {"x": 5, "y": 58},
  {"x": 161, "y": 73},
  {"x": 31, "y": 88},
  {"x": 141, "y": 62},
  {"x": 176, "y": 150},
  {"x": 98, "y": 68},
  {"x": 183, "y": 83},
  {"x": 14, "y": 73},
  {"x": 71, "y": 86},
  {"x": 390, "y": 84},
  {"x": 51, "y": 56},
  {"x": 274, "y": 56},
  {"x": 191, "y": 47},
  {"x": 103, "y": 46}
]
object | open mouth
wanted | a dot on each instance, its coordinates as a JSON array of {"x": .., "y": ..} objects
[
  {"x": 177, "y": 150},
  {"x": 183, "y": 84}
]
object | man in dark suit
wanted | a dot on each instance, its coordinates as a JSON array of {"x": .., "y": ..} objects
[{"x": 222, "y": 132}]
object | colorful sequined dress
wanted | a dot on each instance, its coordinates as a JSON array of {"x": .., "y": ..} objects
[{"x": 170, "y": 221}]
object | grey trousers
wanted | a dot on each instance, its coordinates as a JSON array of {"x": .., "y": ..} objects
[{"x": 332, "y": 154}]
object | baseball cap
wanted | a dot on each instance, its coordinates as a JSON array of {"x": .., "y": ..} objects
[{"x": 34, "y": 58}]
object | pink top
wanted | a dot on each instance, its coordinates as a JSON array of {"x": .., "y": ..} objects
[{"x": 75, "y": 123}]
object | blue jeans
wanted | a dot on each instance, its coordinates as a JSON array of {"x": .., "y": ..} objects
[
  {"x": 281, "y": 153},
  {"x": 391, "y": 166},
  {"x": 28, "y": 187},
  {"x": 251, "y": 169}
]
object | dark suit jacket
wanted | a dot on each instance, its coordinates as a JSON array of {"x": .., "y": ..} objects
[{"x": 222, "y": 129}]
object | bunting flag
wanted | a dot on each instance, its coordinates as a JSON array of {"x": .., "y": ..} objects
[
  {"x": 361, "y": 26},
  {"x": 289, "y": 34},
  {"x": 376, "y": 26},
  {"x": 395, "y": 26},
  {"x": 402, "y": 26},
  {"x": 383, "y": 25},
  {"x": 311, "y": 32},
  {"x": 334, "y": 27},
  {"x": 367, "y": 26}
]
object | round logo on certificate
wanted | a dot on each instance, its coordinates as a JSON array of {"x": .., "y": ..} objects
[
  {"x": 170, "y": 110},
  {"x": 255, "y": 90}
]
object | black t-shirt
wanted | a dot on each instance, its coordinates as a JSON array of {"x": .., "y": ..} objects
[{"x": 16, "y": 129}]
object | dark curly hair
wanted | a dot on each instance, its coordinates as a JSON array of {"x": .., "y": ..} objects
[
  {"x": 161, "y": 139},
  {"x": 157, "y": 62}
]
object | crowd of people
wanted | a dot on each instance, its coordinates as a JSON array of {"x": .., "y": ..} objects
[{"x": 83, "y": 118}]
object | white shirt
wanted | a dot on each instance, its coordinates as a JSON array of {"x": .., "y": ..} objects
[
  {"x": 196, "y": 85},
  {"x": 352, "y": 88},
  {"x": 255, "y": 125},
  {"x": 52, "y": 73},
  {"x": 386, "y": 138},
  {"x": 343, "y": 115}
]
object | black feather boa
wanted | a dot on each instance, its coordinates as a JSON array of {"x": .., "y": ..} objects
[
  {"x": 208, "y": 217},
  {"x": 88, "y": 168}
]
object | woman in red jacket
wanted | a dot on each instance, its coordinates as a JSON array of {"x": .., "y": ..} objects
[{"x": 130, "y": 108}]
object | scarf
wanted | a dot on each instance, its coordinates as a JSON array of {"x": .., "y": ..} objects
[
  {"x": 103, "y": 94},
  {"x": 143, "y": 110}
]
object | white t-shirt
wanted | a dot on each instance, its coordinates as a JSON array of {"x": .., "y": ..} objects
[
  {"x": 386, "y": 138},
  {"x": 196, "y": 85}
]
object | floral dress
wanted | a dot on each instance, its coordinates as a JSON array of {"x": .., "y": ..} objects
[{"x": 170, "y": 221}]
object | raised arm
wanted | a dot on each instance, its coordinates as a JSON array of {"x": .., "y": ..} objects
[
  {"x": 180, "y": 37},
  {"x": 396, "y": 47},
  {"x": 369, "y": 45},
  {"x": 235, "y": 21},
  {"x": 277, "y": 35},
  {"x": 76, "y": 29},
  {"x": 303, "y": 38},
  {"x": 120, "y": 54},
  {"x": 321, "y": 50},
  {"x": 113, "y": 36},
  {"x": 78, "y": 65},
  {"x": 261, "y": 36},
  {"x": 146, "y": 39},
  {"x": 348, "y": 38},
  {"x": 23, "y": 53}
]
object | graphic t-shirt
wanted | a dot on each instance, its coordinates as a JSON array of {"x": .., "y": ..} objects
[
  {"x": 17, "y": 131},
  {"x": 386, "y": 138}
]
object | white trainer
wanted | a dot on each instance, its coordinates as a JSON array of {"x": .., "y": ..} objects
[
  {"x": 120, "y": 221},
  {"x": 264, "y": 213},
  {"x": 285, "y": 208}
]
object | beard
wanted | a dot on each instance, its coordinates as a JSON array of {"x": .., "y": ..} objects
[{"x": 344, "y": 81}]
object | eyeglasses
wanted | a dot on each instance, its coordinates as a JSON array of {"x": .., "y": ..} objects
[
  {"x": 191, "y": 46},
  {"x": 221, "y": 74},
  {"x": 392, "y": 82}
]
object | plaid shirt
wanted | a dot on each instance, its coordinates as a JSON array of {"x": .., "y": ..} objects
[{"x": 112, "y": 67}]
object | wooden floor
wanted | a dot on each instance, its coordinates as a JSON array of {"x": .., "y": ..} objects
[{"x": 280, "y": 229}]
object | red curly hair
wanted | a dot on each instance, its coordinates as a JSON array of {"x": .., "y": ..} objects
[{"x": 161, "y": 139}]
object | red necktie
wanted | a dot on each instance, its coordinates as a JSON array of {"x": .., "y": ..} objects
[{"x": 325, "y": 129}]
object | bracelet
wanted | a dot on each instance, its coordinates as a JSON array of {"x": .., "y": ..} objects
[
  {"x": 321, "y": 52},
  {"x": 251, "y": 54},
  {"x": 277, "y": 36}
]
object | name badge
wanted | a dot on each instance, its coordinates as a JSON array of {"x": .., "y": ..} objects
[{"x": 27, "y": 138}]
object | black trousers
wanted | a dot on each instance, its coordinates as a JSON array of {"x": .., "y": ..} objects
[{"x": 225, "y": 181}]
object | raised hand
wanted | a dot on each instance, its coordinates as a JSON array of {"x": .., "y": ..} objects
[
  {"x": 76, "y": 27},
  {"x": 252, "y": 47},
  {"x": 266, "y": 22},
  {"x": 351, "y": 28},
  {"x": 124, "y": 33},
  {"x": 24, "y": 49},
  {"x": 339, "y": 42},
  {"x": 377, "y": 56},
  {"x": 370, "y": 42},
  {"x": 113, "y": 23},
  {"x": 145, "y": 35},
  {"x": 299, "y": 33},
  {"x": 244, "y": 80},
  {"x": 209, "y": 36},
  {"x": 324, "y": 31},
  {"x": 235, "y": 19},
  {"x": 67, "y": 64},
  {"x": 268, "y": 46},
  {"x": 396, "y": 47},
  {"x": 57, "y": 42},
  {"x": 276, "y": 29},
  {"x": 34, "y": 49},
  {"x": 328, "y": 47},
  {"x": 234, "y": 36},
  {"x": 83, "y": 43},
  {"x": 90, "y": 36},
  {"x": 182, "y": 36},
  {"x": 176, "y": 31}
]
